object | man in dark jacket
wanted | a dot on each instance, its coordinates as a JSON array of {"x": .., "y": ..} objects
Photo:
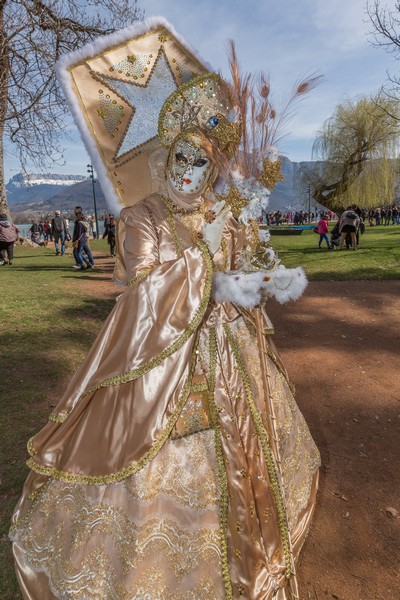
[{"x": 80, "y": 242}]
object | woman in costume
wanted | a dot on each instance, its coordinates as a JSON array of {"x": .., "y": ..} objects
[{"x": 177, "y": 465}]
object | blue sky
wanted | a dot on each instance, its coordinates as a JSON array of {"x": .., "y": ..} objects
[{"x": 286, "y": 39}]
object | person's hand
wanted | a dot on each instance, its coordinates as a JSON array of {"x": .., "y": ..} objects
[{"x": 212, "y": 231}]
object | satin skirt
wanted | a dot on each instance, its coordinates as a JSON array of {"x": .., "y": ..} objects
[{"x": 201, "y": 520}]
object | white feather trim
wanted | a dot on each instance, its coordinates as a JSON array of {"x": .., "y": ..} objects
[
  {"x": 265, "y": 235},
  {"x": 244, "y": 289},
  {"x": 285, "y": 284},
  {"x": 89, "y": 51},
  {"x": 238, "y": 287}
]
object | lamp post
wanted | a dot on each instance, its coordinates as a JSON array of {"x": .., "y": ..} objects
[
  {"x": 91, "y": 175},
  {"x": 309, "y": 203}
]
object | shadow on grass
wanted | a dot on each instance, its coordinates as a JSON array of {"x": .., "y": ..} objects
[{"x": 34, "y": 371}]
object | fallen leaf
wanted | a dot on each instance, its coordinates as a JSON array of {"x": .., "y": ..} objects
[
  {"x": 339, "y": 495},
  {"x": 392, "y": 512}
]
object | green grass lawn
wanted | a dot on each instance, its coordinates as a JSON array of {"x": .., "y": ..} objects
[
  {"x": 47, "y": 325},
  {"x": 378, "y": 256}
]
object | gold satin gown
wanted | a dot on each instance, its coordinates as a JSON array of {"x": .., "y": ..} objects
[{"x": 177, "y": 465}]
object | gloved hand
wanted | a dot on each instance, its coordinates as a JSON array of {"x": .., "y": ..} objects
[{"x": 212, "y": 232}]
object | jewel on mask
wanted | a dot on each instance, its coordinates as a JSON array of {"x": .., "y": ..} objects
[{"x": 211, "y": 123}]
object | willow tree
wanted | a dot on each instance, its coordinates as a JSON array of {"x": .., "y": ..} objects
[
  {"x": 33, "y": 35},
  {"x": 355, "y": 152}
]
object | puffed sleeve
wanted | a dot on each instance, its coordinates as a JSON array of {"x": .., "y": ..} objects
[{"x": 141, "y": 240}]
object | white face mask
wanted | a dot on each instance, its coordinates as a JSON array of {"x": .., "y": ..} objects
[{"x": 190, "y": 168}]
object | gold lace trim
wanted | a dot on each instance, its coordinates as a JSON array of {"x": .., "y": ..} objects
[
  {"x": 221, "y": 469},
  {"x": 269, "y": 460},
  {"x": 140, "y": 276},
  {"x": 96, "y": 547},
  {"x": 199, "y": 387},
  {"x": 172, "y": 227}
]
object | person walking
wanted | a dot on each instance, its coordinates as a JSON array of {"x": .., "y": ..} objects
[
  {"x": 80, "y": 243},
  {"x": 46, "y": 226},
  {"x": 60, "y": 230},
  {"x": 8, "y": 236},
  {"x": 349, "y": 223},
  {"x": 35, "y": 231},
  {"x": 322, "y": 229},
  {"x": 111, "y": 235}
]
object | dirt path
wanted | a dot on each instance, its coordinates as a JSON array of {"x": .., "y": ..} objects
[{"x": 341, "y": 345}]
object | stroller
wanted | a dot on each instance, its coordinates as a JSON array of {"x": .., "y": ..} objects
[{"x": 335, "y": 236}]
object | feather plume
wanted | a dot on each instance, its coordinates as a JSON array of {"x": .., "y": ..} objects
[{"x": 263, "y": 124}]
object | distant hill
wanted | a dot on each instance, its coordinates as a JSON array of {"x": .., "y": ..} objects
[{"x": 40, "y": 195}]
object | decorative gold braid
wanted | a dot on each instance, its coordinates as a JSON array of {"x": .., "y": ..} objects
[
  {"x": 221, "y": 468},
  {"x": 285, "y": 287},
  {"x": 135, "y": 467},
  {"x": 269, "y": 459},
  {"x": 58, "y": 418},
  {"x": 224, "y": 248},
  {"x": 199, "y": 387},
  {"x": 172, "y": 226},
  {"x": 30, "y": 447},
  {"x": 140, "y": 276}
]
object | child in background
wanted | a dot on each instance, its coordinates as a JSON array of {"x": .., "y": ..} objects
[{"x": 322, "y": 229}]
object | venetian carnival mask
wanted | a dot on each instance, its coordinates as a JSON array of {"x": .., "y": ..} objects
[{"x": 189, "y": 166}]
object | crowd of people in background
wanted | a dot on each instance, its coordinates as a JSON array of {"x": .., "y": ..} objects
[
  {"x": 388, "y": 215},
  {"x": 346, "y": 231},
  {"x": 298, "y": 217}
]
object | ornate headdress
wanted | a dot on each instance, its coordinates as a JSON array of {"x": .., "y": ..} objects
[{"x": 206, "y": 103}]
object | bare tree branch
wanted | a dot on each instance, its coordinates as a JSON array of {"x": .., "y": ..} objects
[{"x": 33, "y": 35}]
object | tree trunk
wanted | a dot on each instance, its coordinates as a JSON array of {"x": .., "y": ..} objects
[{"x": 4, "y": 66}]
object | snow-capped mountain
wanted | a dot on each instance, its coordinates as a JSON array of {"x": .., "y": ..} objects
[
  {"x": 42, "y": 194},
  {"x": 32, "y": 187}
]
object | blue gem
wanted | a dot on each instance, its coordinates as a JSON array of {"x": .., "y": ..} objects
[{"x": 212, "y": 122}]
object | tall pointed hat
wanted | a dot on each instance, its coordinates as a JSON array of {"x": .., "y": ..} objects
[{"x": 116, "y": 87}]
